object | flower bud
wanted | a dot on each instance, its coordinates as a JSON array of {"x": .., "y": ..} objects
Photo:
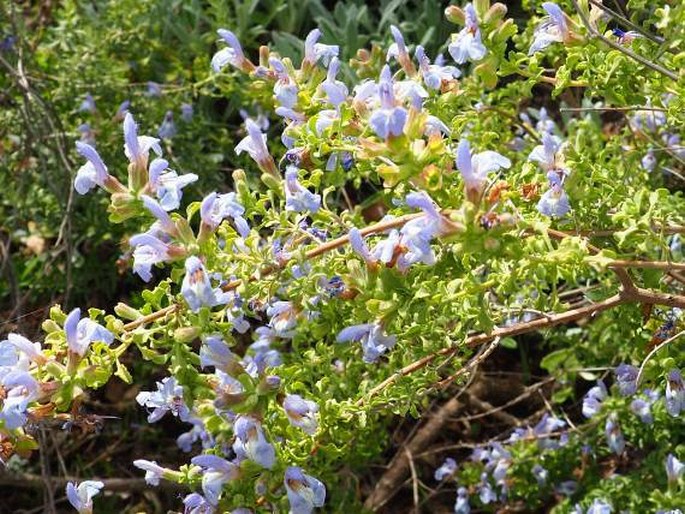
[
  {"x": 127, "y": 312},
  {"x": 481, "y": 7},
  {"x": 186, "y": 334},
  {"x": 495, "y": 13},
  {"x": 455, "y": 15}
]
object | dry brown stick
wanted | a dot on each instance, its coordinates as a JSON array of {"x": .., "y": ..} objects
[
  {"x": 31, "y": 481},
  {"x": 398, "y": 469},
  {"x": 414, "y": 480}
]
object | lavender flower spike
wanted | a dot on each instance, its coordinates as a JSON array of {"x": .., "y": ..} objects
[
  {"x": 388, "y": 120},
  {"x": 304, "y": 492},
  {"x": 475, "y": 168},
  {"x": 81, "y": 496},
  {"x": 467, "y": 45},
  {"x": 301, "y": 413},
  {"x": 255, "y": 145},
  {"x": 297, "y": 197},
  {"x": 232, "y": 54},
  {"x": 553, "y": 29}
]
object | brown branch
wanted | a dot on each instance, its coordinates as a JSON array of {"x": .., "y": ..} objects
[
  {"x": 423, "y": 438},
  {"x": 31, "y": 481}
]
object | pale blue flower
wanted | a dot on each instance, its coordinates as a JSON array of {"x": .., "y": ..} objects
[
  {"x": 315, "y": 52},
  {"x": 467, "y": 44},
  {"x": 215, "y": 473},
  {"x": 389, "y": 119},
  {"x": 359, "y": 246},
  {"x": 374, "y": 342},
  {"x": 195, "y": 503},
  {"x": 626, "y": 379},
  {"x": 137, "y": 148},
  {"x": 153, "y": 472},
  {"x": 229, "y": 391},
  {"x": 433, "y": 75},
  {"x": 198, "y": 432},
  {"x": 642, "y": 406},
  {"x": 649, "y": 161},
  {"x": 18, "y": 343},
  {"x": 282, "y": 318},
  {"x": 554, "y": 203},
  {"x": 614, "y": 436},
  {"x": 187, "y": 112},
  {"x": 88, "y": 104},
  {"x": 167, "y": 398},
  {"x": 462, "y": 506},
  {"x": 215, "y": 352},
  {"x": 599, "y": 507},
  {"x": 541, "y": 475},
  {"x": 93, "y": 173},
  {"x": 154, "y": 90},
  {"x": 548, "y": 155},
  {"x": 336, "y": 91},
  {"x": 297, "y": 197},
  {"x": 20, "y": 388},
  {"x": 168, "y": 186},
  {"x": 552, "y": 29},
  {"x": 592, "y": 402},
  {"x": 165, "y": 221},
  {"x": 167, "y": 129},
  {"x": 255, "y": 145},
  {"x": 217, "y": 207},
  {"x": 232, "y": 54},
  {"x": 301, "y": 413},
  {"x": 304, "y": 492},
  {"x": 81, "y": 496},
  {"x": 285, "y": 89},
  {"x": 674, "y": 468},
  {"x": 122, "y": 110},
  {"x": 250, "y": 442},
  {"x": 197, "y": 288},
  {"x": 325, "y": 119},
  {"x": 446, "y": 469},
  {"x": 148, "y": 250},
  {"x": 675, "y": 392},
  {"x": 474, "y": 169},
  {"x": 485, "y": 492},
  {"x": 80, "y": 333}
]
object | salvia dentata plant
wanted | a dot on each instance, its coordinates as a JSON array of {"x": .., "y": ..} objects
[{"x": 291, "y": 319}]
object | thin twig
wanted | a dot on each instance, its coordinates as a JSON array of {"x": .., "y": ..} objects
[
  {"x": 642, "y": 60},
  {"x": 656, "y": 39},
  {"x": 654, "y": 351}
]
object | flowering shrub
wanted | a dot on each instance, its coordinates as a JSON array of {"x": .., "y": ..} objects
[{"x": 384, "y": 238}]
